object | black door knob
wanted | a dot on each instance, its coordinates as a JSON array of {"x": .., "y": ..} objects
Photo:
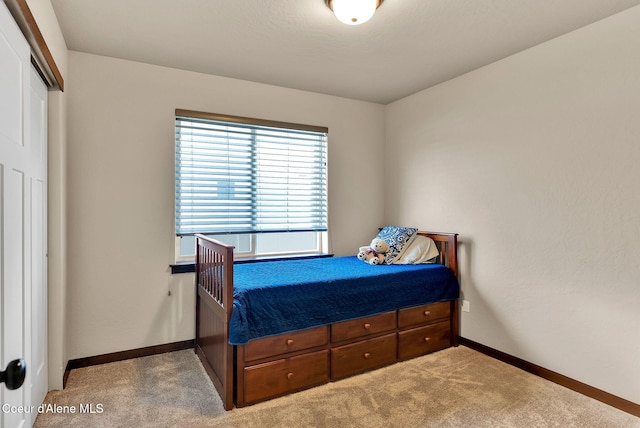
[{"x": 14, "y": 375}]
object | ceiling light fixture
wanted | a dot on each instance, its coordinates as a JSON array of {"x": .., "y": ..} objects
[{"x": 353, "y": 12}]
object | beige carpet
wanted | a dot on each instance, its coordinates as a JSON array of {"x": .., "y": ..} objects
[{"x": 457, "y": 387}]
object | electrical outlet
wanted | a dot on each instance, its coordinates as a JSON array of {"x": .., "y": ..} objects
[{"x": 466, "y": 306}]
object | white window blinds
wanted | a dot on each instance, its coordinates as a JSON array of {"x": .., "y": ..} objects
[{"x": 239, "y": 175}]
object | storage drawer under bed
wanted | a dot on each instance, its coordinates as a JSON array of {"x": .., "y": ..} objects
[
  {"x": 361, "y": 356},
  {"x": 286, "y": 342},
  {"x": 362, "y": 327},
  {"x": 280, "y": 377},
  {"x": 424, "y": 314},
  {"x": 423, "y": 340}
]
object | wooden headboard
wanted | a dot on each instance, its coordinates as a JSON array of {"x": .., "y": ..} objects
[{"x": 447, "y": 244}]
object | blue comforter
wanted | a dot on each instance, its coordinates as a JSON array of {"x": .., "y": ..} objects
[{"x": 276, "y": 297}]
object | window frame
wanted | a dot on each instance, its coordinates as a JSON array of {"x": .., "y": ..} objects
[
  {"x": 322, "y": 247},
  {"x": 322, "y": 240}
]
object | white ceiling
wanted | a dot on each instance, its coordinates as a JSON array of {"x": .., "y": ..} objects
[{"x": 409, "y": 45}]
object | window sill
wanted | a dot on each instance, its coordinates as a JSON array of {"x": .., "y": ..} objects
[{"x": 190, "y": 267}]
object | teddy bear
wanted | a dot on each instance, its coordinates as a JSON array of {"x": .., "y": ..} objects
[{"x": 374, "y": 253}]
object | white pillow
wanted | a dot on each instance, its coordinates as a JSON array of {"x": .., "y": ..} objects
[{"x": 421, "y": 250}]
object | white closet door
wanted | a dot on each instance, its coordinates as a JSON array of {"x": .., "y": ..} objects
[
  {"x": 38, "y": 375},
  {"x": 23, "y": 219}
]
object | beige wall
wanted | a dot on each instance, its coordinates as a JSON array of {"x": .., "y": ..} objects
[
  {"x": 531, "y": 159},
  {"x": 121, "y": 178},
  {"x": 534, "y": 161}
]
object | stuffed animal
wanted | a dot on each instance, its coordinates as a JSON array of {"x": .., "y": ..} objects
[{"x": 374, "y": 253}]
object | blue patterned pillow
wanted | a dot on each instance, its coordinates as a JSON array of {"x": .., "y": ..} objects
[{"x": 397, "y": 238}]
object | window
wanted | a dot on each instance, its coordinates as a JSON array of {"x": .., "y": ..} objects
[{"x": 259, "y": 185}]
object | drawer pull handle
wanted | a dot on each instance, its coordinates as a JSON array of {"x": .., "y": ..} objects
[
  {"x": 289, "y": 342},
  {"x": 426, "y": 339},
  {"x": 367, "y": 325},
  {"x": 427, "y": 313},
  {"x": 367, "y": 355},
  {"x": 289, "y": 375}
]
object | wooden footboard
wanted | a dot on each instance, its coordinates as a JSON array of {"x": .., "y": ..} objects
[{"x": 214, "y": 301}]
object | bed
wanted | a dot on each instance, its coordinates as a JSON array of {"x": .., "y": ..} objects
[{"x": 261, "y": 334}]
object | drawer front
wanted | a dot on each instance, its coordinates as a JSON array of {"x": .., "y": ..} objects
[
  {"x": 287, "y": 342},
  {"x": 423, "y": 314},
  {"x": 363, "y": 326},
  {"x": 280, "y": 377},
  {"x": 359, "y": 357},
  {"x": 423, "y": 340}
]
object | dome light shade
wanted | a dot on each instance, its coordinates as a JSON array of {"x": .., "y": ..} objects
[{"x": 353, "y": 12}]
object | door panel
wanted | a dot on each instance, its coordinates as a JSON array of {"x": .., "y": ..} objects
[
  {"x": 23, "y": 218},
  {"x": 38, "y": 290},
  {"x": 12, "y": 74},
  {"x": 14, "y": 207},
  {"x": 13, "y": 286}
]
